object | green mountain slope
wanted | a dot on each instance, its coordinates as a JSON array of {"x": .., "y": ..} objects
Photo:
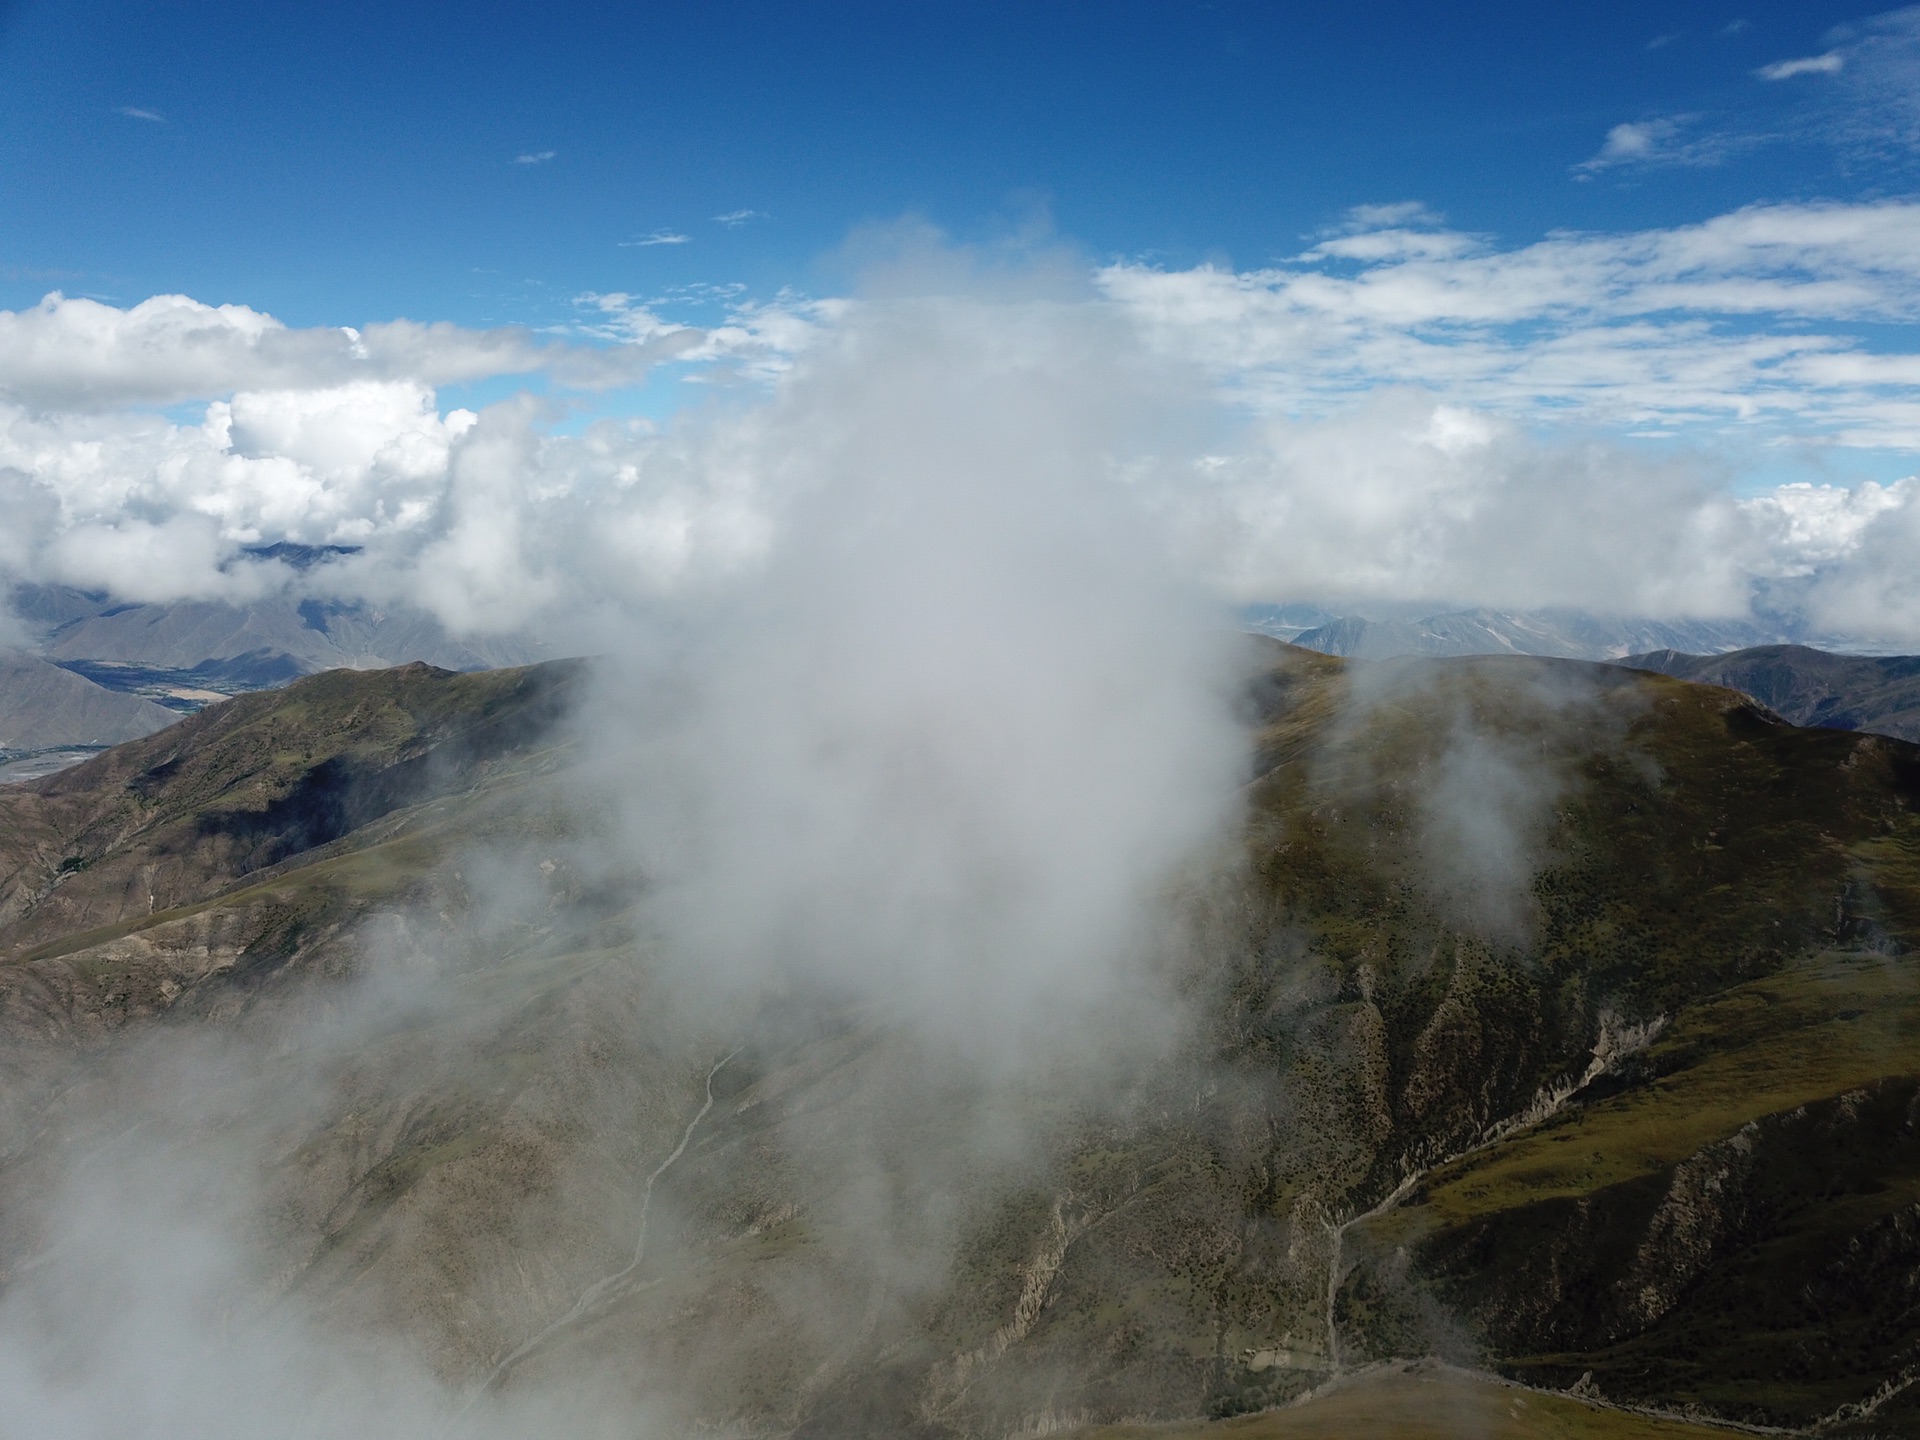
[{"x": 1880, "y": 693}]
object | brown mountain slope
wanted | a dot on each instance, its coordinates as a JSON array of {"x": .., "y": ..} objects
[
  {"x": 249, "y": 782},
  {"x": 452, "y": 1093}
]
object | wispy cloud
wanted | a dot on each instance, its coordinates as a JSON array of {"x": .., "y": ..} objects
[
  {"x": 1660, "y": 42},
  {"x": 734, "y": 219},
  {"x": 1831, "y": 63},
  {"x": 535, "y": 157},
  {"x": 658, "y": 237},
  {"x": 1660, "y": 141},
  {"x": 1745, "y": 320},
  {"x": 1872, "y": 108},
  {"x": 756, "y": 339},
  {"x": 1861, "y": 96},
  {"x": 1735, "y": 27},
  {"x": 136, "y": 112},
  {"x": 1376, "y": 217}
]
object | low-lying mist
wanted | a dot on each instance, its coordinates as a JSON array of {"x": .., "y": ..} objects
[
  {"x": 950, "y": 745},
  {"x": 921, "y": 783}
]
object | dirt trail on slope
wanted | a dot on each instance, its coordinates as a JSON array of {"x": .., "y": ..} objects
[{"x": 606, "y": 1288}]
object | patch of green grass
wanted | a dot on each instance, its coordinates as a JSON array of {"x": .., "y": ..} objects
[
  {"x": 1807, "y": 1033},
  {"x": 1425, "y": 1402}
]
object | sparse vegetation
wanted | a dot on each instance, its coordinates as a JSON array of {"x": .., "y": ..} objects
[{"x": 1370, "y": 1007}]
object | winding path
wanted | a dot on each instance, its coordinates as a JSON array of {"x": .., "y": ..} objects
[{"x": 601, "y": 1289}]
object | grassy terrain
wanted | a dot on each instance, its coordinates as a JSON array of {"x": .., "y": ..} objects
[
  {"x": 1769, "y": 1150},
  {"x": 251, "y": 783},
  {"x": 1426, "y": 1402},
  {"x": 1812, "y": 1031}
]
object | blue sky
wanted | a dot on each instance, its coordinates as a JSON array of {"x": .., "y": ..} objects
[
  {"x": 1516, "y": 304},
  {"x": 342, "y": 163}
]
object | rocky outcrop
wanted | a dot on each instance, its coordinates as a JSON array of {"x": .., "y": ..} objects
[{"x": 1790, "y": 1247}]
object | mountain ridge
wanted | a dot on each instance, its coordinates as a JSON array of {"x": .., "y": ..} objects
[
  {"x": 43, "y": 705},
  {"x": 1395, "y": 1091},
  {"x": 1806, "y": 686}
]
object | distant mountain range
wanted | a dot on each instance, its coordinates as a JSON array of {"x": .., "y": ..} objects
[
  {"x": 100, "y": 671},
  {"x": 103, "y": 671},
  {"x": 42, "y": 705},
  {"x": 1876, "y": 693},
  {"x": 1555, "y": 634},
  {"x": 269, "y": 641},
  {"x": 1802, "y": 684}
]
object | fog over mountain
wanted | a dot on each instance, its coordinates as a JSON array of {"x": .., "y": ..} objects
[
  {"x": 927, "y": 974},
  {"x": 934, "y": 722}
]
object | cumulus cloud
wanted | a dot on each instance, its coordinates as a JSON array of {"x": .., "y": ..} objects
[
  {"x": 1001, "y": 716},
  {"x": 1405, "y": 499},
  {"x": 1403, "y": 412},
  {"x": 72, "y": 353}
]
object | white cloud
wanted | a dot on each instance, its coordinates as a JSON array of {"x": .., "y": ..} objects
[
  {"x": 1634, "y": 141},
  {"x": 1867, "y": 107},
  {"x": 1382, "y": 217},
  {"x": 1830, "y": 63},
  {"x": 734, "y": 219},
  {"x": 658, "y": 237},
  {"x": 1403, "y": 412},
  {"x": 757, "y": 338},
  {"x": 1659, "y": 142},
  {"x": 1741, "y": 322},
  {"x": 1872, "y": 110},
  {"x": 136, "y": 112},
  {"x": 535, "y": 157},
  {"x": 70, "y": 353},
  {"x": 1403, "y": 499}
]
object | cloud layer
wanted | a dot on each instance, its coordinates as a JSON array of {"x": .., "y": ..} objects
[
  {"x": 1744, "y": 321},
  {"x": 1403, "y": 411}
]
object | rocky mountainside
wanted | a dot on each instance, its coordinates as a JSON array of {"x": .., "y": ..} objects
[
  {"x": 1546, "y": 1053},
  {"x": 1880, "y": 693}
]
